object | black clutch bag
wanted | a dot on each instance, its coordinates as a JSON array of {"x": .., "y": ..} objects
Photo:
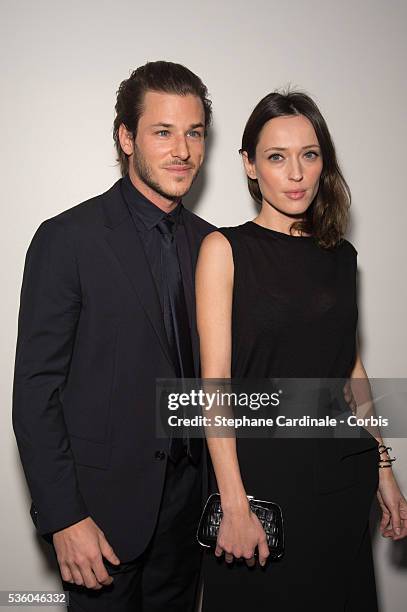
[{"x": 268, "y": 513}]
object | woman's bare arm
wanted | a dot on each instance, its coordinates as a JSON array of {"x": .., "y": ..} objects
[
  {"x": 362, "y": 394},
  {"x": 240, "y": 530},
  {"x": 214, "y": 289},
  {"x": 392, "y": 502}
]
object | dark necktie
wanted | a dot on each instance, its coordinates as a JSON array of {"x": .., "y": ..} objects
[{"x": 177, "y": 328}]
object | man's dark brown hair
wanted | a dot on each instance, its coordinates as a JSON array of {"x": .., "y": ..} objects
[{"x": 165, "y": 77}]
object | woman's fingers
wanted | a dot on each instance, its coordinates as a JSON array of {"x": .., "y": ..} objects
[
  {"x": 240, "y": 537},
  {"x": 385, "y": 520},
  {"x": 263, "y": 551},
  {"x": 393, "y": 524},
  {"x": 394, "y": 510},
  {"x": 264, "y": 556},
  {"x": 396, "y": 520},
  {"x": 218, "y": 551}
]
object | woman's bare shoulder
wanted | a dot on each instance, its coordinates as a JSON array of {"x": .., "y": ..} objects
[{"x": 215, "y": 244}]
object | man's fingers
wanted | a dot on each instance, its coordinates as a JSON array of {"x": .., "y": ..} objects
[
  {"x": 79, "y": 551},
  {"x": 250, "y": 561},
  {"x": 228, "y": 557},
  {"x": 89, "y": 578},
  {"x": 107, "y": 551},
  {"x": 101, "y": 573},
  {"x": 65, "y": 572},
  {"x": 76, "y": 574}
]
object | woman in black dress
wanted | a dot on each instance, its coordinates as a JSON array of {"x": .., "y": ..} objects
[{"x": 276, "y": 297}]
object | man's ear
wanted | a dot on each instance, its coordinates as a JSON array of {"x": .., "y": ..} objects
[
  {"x": 126, "y": 139},
  {"x": 249, "y": 166}
]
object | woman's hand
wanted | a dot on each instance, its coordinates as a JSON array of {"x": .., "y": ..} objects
[
  {"x": 394, "y": 506},
  {"x": 240, "y": 532}
]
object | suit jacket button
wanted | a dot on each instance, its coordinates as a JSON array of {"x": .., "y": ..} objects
[{"x": 159, "y": 455}]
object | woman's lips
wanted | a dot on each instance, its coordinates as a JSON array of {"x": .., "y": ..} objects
[{"x": 295, "y": 195}]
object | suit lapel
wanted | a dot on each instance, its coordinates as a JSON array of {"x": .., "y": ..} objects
[{"x": 123, "y": 239}]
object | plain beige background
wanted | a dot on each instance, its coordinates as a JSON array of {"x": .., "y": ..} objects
[{"x": 61, "y": 65}]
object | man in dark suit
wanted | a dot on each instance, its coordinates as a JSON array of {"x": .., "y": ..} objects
[{"x": 107, "y": 307}]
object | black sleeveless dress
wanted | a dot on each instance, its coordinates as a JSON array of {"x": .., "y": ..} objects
[{"x": 294, "y": 315}]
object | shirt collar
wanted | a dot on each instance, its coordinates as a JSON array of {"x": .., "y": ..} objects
[{"x": 143, "y": 210}]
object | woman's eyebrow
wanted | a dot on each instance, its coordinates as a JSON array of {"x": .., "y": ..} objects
[{"x": 310, "y": 146}]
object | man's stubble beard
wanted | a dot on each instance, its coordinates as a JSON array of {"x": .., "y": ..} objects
[{"x": 143, "y": 171}]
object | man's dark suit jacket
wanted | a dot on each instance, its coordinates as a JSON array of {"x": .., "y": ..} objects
[{"x": 91, "y": 344}]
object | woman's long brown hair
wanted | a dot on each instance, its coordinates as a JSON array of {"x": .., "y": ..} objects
[{"x": 327, "y": 216}]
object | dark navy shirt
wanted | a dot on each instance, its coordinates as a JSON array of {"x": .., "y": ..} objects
[{"x": 146, "y": 215}]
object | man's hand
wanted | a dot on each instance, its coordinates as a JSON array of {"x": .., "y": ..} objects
[{"x": 80, "y": 549}]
